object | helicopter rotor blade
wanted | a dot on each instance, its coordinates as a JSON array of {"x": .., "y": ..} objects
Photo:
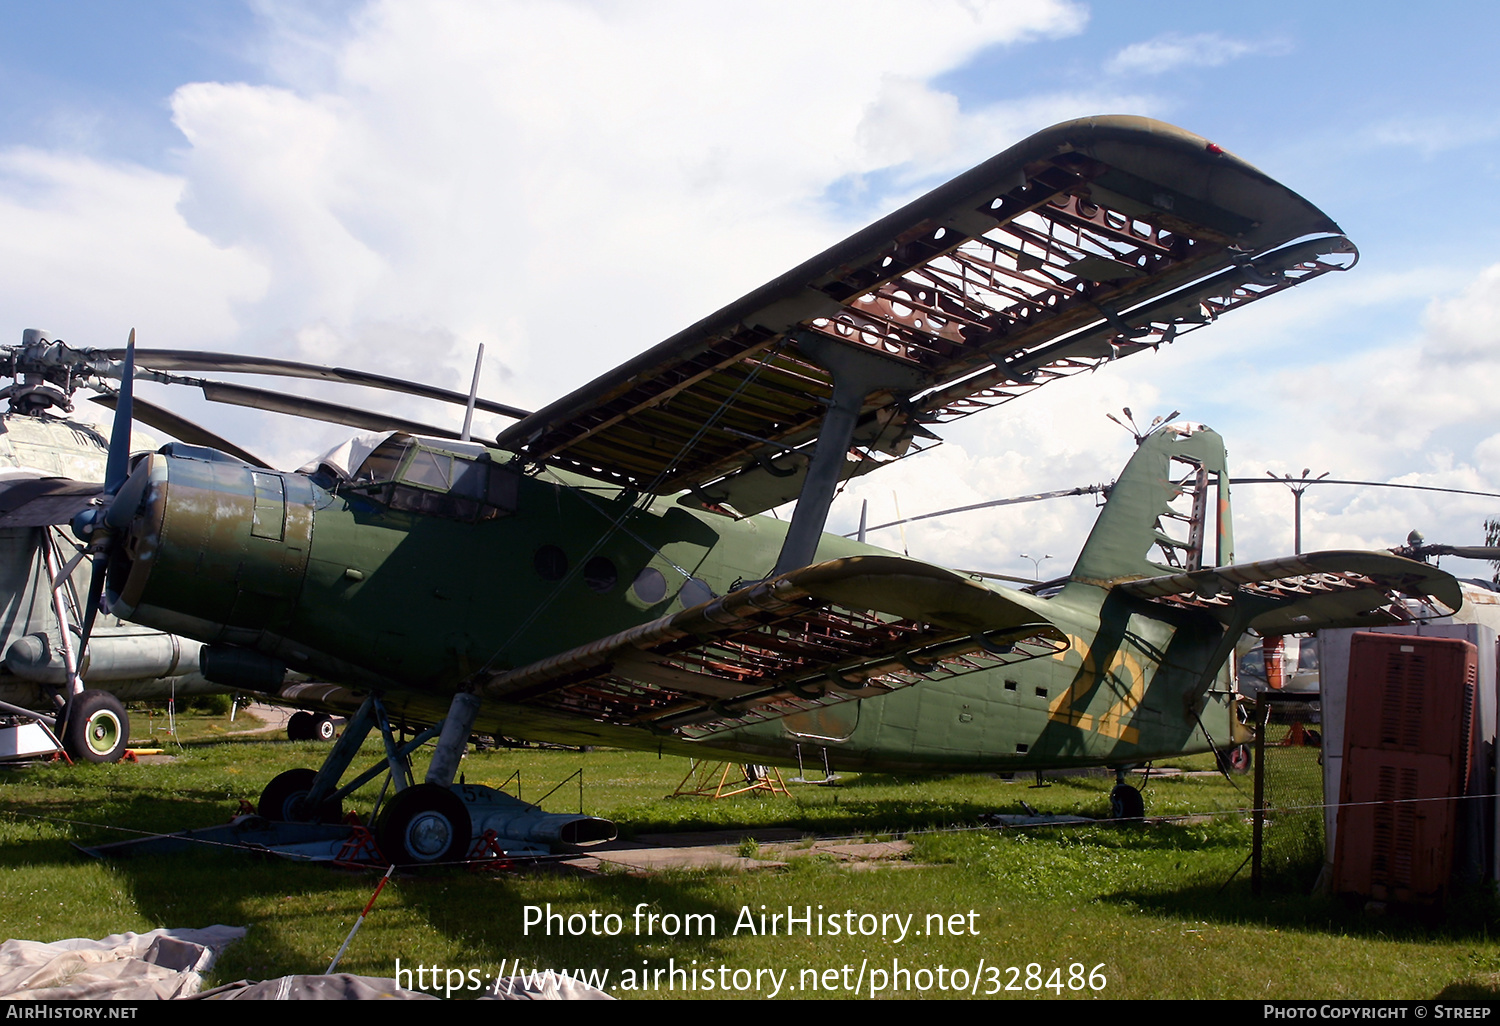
[
  {"x": 1485, "y": 552},
  {"x": 316, "y": 409},
  {"x": 1086, "y": 490},
  {"x": 181, "y": 428},
  {"x": 194, "y": 360}
]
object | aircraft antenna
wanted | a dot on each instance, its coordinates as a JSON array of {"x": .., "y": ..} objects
[{"x": 473, "y": 395}]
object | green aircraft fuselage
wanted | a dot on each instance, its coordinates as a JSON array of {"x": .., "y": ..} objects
[{"x": 428, "y": 565}]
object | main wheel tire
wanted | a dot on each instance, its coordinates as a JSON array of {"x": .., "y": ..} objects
[
  {"x": 322, "y": 728},
  {"x": 285, "y": 800},
  {"x": 424, "y": 825},
  {"x": 98, "y": 728},
  {"x": 300, "y": 727},
  {"x": 1125, "y": 802}
]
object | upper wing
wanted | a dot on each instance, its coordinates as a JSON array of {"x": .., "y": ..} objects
[
  {"x": 1088, "y": 241},
  {"x": 1313, "y": 591},
  {"x": 848, "y": 628}
]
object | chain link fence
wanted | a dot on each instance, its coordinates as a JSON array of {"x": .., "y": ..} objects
[{"x": 1289, "y": 844}]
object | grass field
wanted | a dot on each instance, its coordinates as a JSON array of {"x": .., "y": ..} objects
[{"x": 1153, "y": 911}]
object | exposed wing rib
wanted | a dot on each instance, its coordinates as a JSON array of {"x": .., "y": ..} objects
[
  {"x": 848, "y": 628},
  {"x": 1089, "y": 241},
  {"x": 1313, "y": 591}
]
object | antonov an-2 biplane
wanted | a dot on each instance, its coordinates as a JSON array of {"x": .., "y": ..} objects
[{"x": 597, "y": 575}]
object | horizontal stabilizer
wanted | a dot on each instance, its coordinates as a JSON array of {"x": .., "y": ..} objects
[
  {"x": 857, "y": 627},
  {"x": 1313, "y": 591}
]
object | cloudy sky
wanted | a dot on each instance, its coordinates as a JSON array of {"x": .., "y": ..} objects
[{"x": 384, "y": 185}]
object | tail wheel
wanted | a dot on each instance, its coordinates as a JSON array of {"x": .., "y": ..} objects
[
  {"x": 98, "y": 728},
  {"x": 1237, "y": 759},
  {"x": 285, "y": 800},
  {"x": 423, "y": 825},
  {"x": 1125, "y": 802}
]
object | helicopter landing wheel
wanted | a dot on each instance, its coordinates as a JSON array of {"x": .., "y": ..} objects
[
  {"x": 98, "y": 728},
  {"x": 424, "y": 825}
]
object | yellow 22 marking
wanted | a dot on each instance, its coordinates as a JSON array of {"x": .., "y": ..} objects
[{"x": 1067, "y": 707}]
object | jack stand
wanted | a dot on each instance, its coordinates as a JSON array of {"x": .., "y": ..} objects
[
  {"x": 701, "y": 773},
  {"x": 359, "y": 849}
]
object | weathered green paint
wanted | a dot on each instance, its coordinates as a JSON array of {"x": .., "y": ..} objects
[{"x": 415, "y": 605}]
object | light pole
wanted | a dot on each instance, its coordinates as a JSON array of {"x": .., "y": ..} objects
[
  {"x": 1298, "y": 485},
  {"x": 1036, "y": 563}
]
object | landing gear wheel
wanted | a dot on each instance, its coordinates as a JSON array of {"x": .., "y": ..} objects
[
  {"x": 1125, "y": 802},
  {"x": 285, "y": 800},
  {"x": 423, "y": 825},
  {"x": 1235, "y": 760},
  {"x": 300, "y": 727},
  {"x": 322, "y": 728},
  {"x": 98, "y": 728}
]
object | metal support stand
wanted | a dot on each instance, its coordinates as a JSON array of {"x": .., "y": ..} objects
[{"x": 701, "y": 774}]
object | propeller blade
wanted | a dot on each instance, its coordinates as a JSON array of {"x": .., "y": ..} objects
[
  {"x": 91, "y": 607},
  {"x": 181, "y": 428},
  {"x": 297, "y": 406},
  {"x": 222, "y": 363},
  {"x": 122, "y": 509},
  {"x": 119, "y": 435},
  {"x": 116, "y": 474}
]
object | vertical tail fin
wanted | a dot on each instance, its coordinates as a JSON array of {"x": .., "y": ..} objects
[{"x": 1173, "y": 496}]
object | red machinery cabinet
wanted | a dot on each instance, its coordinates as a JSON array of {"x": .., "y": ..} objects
[{"x": 1409, "y": 743}]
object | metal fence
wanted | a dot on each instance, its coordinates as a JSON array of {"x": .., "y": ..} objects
[{"x": 1288, "y": 850}]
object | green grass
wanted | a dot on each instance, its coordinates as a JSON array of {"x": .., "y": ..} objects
[{"x": 1158, "y": 907}]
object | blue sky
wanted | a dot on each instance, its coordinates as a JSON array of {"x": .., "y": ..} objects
[{"x": 384, "y": 185}]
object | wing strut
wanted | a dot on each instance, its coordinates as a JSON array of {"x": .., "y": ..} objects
[{"x": 856, "y": 373}]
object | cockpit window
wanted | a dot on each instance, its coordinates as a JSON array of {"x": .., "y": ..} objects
[
  {"x": 383, "y": 461},
  {"x": 429, "y": 469},
  {"x": 407, "y": 475}
]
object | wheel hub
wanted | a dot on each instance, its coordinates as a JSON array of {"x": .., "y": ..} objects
[
  {"x": 103, "y": 733},
  {"x": 428, "y": 835}
]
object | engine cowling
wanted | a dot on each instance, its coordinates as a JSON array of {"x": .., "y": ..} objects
[{"x": 216, "y": 549}]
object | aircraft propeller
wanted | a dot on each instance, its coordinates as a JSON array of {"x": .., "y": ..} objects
[{"x": 99, "y": 525}]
